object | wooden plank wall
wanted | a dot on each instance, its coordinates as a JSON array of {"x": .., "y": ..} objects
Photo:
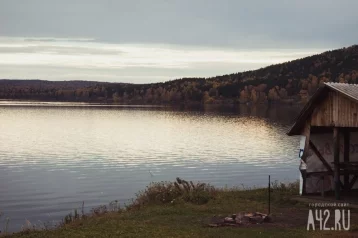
[
  {"x": 346, "y": 111},
  {"x": 323, "y": 113},
  {"x": 335, "y": 110}
]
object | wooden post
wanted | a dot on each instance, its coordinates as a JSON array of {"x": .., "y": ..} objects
[
  {"x": 322, "y": 186},
  {"x": 306, "y": 132},
  {"x": 336, "y": 162},
  {"x": 346, "y": 159},
  {"x": 269, "y": 196},
  {"x": 304, "y": 179},
  {"x": 320, "y": 157}
]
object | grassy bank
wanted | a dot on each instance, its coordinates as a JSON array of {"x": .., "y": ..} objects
[{"x": 184, "y": 209}]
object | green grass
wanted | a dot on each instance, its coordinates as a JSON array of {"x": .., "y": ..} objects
[{"x": 185, "y": 210}]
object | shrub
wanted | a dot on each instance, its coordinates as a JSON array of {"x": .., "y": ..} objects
[{"x": 169, "y": 192}]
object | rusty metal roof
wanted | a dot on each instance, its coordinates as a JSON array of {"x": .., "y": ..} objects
[{"x": 348, "y": 90}]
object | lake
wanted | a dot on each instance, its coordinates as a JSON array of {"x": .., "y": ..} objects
[{"x": 55, "y": 156}]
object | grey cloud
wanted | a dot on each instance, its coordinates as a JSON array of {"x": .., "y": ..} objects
[
  {"x": 128, "y": 75},
  {"x": 57, "y": 39},
  {"x": 182, "y": 24},
  {"x": 226, "y": 23},
  {"x": 64, "y": 50}
]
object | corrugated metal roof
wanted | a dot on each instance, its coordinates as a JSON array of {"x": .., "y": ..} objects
[{"x": 348, "y": 90}]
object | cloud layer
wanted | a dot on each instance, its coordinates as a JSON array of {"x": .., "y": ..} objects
[
  {"x": 234, "y": 23},
  {"x": 147, "y": 41},
  {"x": 62, "y": 59}
]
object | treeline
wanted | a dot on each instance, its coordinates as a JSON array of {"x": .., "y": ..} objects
[{"x": 289, "y": 82}]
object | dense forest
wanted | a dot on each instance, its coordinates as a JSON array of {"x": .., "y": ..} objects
[{"x": 291, "y": 82}]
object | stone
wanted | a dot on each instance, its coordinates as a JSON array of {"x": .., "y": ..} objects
[
  {"x": 213, "y": 225},
  {"x": 249, "y": 215},
  {"x": 229, "y": 220},
  {"x": 240, "y": 218},
  {"x": 260, "y": 214},
  {"x": 256, "y": 219},
  {"x": 268, "y": 219}
]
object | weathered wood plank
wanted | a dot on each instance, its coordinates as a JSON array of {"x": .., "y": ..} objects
[
  {"x": 336, "y": 162},
  {"x": 320, "y": 157},
  {"x": 346, "y": 158},
  {"x": 354, "y": 180},
  {"x": 322, "y": 114},
  {"x": 306, "y": 132},
  {"x": 346, "y": 112},
  {"x": 336, "y": 110}
]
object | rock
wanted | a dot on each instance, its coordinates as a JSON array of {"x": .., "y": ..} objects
[
  {"x": 229, "y": 220},
  {"x": 230, "y": 224},
  {"x": 256, "y": 219},
  {"x": 213, "y": 225},
  {"x": 260, "y": 214},
  {"x": 268, "y": 219},
  {"x": 238, "y": 221}
]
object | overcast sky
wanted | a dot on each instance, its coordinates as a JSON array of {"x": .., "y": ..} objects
[{"x": 155, "y": 40}]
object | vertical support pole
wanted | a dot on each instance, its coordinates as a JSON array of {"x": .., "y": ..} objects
[
  {"x": 304, "y": 178},
  {"x": 346, "y": 159},
  {"x": 322, "y": 186},
  {"x": 336, "y": 162},
  {"x": 269, "y": 195},
  {"x": 306, "y": 132}
]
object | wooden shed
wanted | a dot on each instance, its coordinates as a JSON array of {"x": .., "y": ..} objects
[{"x": 328, "y": 125}]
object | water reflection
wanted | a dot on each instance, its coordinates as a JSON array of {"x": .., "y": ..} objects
[{"x": 53, "y": 158}]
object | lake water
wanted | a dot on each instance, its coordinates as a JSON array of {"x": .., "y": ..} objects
[{"x": 54, "y": 157}]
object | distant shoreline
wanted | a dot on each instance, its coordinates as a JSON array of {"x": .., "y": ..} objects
[
  {"x": 16, "y": 102},
  {"x": 6, "y": 102}
]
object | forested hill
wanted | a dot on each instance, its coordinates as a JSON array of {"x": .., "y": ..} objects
[{"x": 289, "y": 82}]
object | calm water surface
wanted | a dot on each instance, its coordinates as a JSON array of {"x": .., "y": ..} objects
[{"x": 53, "y": 158}]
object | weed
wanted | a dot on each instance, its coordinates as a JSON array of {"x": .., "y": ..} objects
[{"x": 169, "y": 192}]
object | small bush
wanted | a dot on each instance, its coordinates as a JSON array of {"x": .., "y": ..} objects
[
  {"x": 282, "y": 192},
  {"x": 169, "y": 192},
  {"x": 289, "y": 188}
]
